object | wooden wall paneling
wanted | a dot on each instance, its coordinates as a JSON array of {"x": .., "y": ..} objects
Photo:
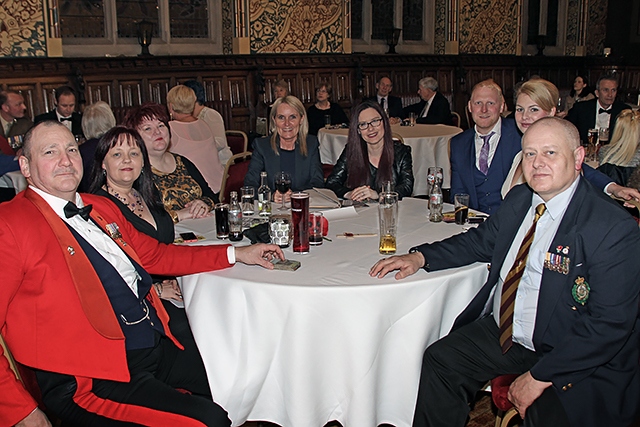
[
  {"x": 238, "y": 92},
  {"x": 342, "y": 87},
  {"x": 307, "y": 93},
  {"x": 369, "y": 81},
  {"x": 130, "y": 93},
  {"x": 401, "y": 83},
  {"x": 99, "y": 91},
  {"x": 214, "y": 88},
  {"x": 157, "y": 89},
  {"x": 294, "y": 83}
]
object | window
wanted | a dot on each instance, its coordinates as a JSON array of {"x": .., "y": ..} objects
[
  {"x": 82, "y": 18},
  {"x": 189, "y": 19},
  {"x": 412, "y": 13},
  {"x": 130, "y": 12},
  {"x": 381, "y": 18}
]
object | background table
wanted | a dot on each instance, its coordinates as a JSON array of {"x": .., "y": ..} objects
[
  {"x": 429, "y": 147},
  {"x": 13, "y": 180},
  {"x": 326, "y": 342}
]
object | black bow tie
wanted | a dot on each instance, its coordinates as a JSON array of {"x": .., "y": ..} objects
[
  {"x": 62, "y": 119},
  {"x": 602, "y": 110},
  {"x": 71, "y": 210}
]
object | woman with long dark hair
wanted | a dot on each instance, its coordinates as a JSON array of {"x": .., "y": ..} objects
[{"x": 371, "y": 158}]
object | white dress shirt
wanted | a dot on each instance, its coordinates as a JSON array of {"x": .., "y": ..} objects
[
  {"x": 493, "y": 143},
  {"x": 67, "y": 123},
  {"x": 97, "y": 238},
  {"x": 526, "y": 303},
  {"x": 602, "y": 119}
]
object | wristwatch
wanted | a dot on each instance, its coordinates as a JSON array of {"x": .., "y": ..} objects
[{"x": 414, "y": 250}]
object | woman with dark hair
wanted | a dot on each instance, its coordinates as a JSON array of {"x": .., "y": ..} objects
[
  {"x": 579, "y": 92},
  {"x": 371, "y": 158},
  {"x": 122, "y": 172},
  {"x": 324, "y": 107},
  {"x": 185, "y": 193}
]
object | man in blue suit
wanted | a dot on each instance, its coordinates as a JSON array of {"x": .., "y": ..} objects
[
  {"x": 481, "y": 156},
  {"x": 560, "y": 305}
]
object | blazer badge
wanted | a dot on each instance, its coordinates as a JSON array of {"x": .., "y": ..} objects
[
  {"x": 556, "y": 262},
  {"x": 580, "y": 290}
]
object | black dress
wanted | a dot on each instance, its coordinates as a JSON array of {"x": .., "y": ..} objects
[{"x": 315, "y": 116}]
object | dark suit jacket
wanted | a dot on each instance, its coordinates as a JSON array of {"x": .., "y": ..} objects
[
  {"x": 463, "y": 162},
  {"x": 394, "y": 107},
  {"x": 308, "y": 169},
  {"x": 590, "y": 351},
  {"x": 19, "y": 127},
  {"x": 76, "y": 121},
  {"x": 439, "y": 111},
  {"x": 583, "y": 116}
]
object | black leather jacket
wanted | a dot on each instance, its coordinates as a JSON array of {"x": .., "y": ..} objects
[{"x": 402, "y": 173}]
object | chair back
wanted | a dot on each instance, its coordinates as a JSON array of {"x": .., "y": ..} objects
[
  {"x": 234, "y": 172},
  {"x": 455, "y": 119},
  {"x": 237, "y": 140},
  {"x": 222, "y": 106},
  {"x": 397, "y": 137}
]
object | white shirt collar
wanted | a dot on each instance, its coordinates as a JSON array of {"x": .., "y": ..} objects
[
  {"x": 56, "y": 203},
  {"x": 558, "y": 204}
]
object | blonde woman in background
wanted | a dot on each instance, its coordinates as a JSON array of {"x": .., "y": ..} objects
[
  {"x": 537, "y": 99},
  {"x": 621, "y": 156},
  {"x": 97, "y": 119},
  {"x": 192, "y": 138}
]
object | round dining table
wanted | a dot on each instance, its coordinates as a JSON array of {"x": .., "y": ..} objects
[
  {"x": 429, "y": 147},
  {"x": 326, "y": 342}
]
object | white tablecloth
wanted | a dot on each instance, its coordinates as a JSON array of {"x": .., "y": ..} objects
[
  {"x": 429, "y": 147},
  {"x": 13, "y": 180},
  {"x": 326, "y": 342}
]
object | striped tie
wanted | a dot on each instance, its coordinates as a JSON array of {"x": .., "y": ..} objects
[{"x": 510, "y": 285}]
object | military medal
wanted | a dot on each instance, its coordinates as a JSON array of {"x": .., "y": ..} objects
[
  {"x": 114, "y": 231},
  {"x": 580, "y": 290},
  {"x": 558, "y": 263}
]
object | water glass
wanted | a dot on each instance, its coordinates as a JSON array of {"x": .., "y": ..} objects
[
  {"x": 315, "y": 228},
  {"x": 247, "y": 198},
  {"x": 280, "y": 230}
]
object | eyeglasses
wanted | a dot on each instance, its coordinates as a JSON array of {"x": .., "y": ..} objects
[{"x": 373, "y": 123}]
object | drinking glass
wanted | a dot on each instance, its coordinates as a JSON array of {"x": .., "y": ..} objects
[
  {"x": 593, "y": 141},
  {"x": 412, "y": 119},
  {"x": 222, "y": 220},
  {"x": 315, "y": 228},
  {"x": 300, "y": 220},
  {"x": 283, "y": 184},
  {"x": 247, "y": 196},
  {"x": 280, "y": 230},
  {"x": 388, "y": 220},
  {"x": 461, "y": 203},
  {"x": 327, "y": 121}
]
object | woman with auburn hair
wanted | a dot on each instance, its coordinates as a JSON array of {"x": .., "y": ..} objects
[
  {"x": 371, "y": 158},
  {"x": 324, "y": 107},
  {"x": 185, "y": 192},
  {"x": 290, "y": 149}
]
